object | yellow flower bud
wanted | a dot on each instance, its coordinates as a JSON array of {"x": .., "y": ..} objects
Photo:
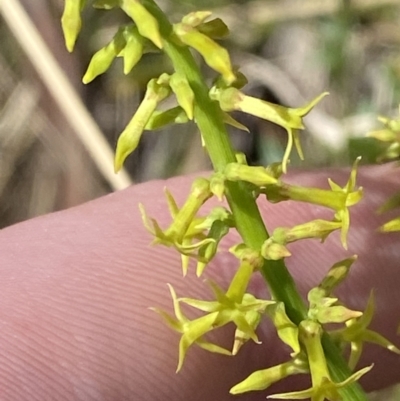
[
  {"x": 272, "y": 250},
  {"x": 288, "y": 332},
  {"x": 145, "y": 22},
  {"x": 255, "y": 175},
  {"x": 102, "y": 59},
  {"x": 71, "y": 22},
  {"x": 214, "y": 55},
  {"x": 199, "y": 194},
  {"x": 184, "y": 93},
  {"x": 217, "y": 185},
  {"x": 130, "y": 137},
  {"x": 336, "y": 274},
  {"x": 196, "y": 18},
  {"x": 262, "y": 379},
  {"x": 133, "y": 50}
]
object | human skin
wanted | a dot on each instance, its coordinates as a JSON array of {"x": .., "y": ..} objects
[{"x": 76, "y": 286}]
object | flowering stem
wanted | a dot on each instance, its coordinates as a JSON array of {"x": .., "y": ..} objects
[{"x": 247, "y": 216}]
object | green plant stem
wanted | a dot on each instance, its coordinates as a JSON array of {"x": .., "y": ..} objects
[{"x": 247, "y": 216}]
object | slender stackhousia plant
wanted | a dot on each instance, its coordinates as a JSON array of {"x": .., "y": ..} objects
[{"x": 300, "y": 323}]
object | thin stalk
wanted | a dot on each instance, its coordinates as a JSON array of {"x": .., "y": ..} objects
[{"x": 247, "y": 216}]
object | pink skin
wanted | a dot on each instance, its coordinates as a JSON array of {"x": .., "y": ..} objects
[{"x": 76, "y": 287}]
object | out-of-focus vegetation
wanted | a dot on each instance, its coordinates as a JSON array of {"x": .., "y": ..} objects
[{"x": 290, "y": 50}]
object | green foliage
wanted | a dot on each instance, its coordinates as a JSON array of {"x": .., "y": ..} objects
[{"x": 197, "y": 236}]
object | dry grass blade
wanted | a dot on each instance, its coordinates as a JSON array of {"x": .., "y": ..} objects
[{"x": 62, "y": 91}]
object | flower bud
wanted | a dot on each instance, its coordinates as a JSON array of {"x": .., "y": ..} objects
[
  {"x": 145, "y": 22},
  {"x": 130, "y": 137},
  {"x": 196, "y": 18},
  {"x": 205, "y": 253},
  {"x": 184, "y": 93},
  {"x": 262, "y": 379},
  {"x": 199, "y": 193},
  {"x": 217, "y": 185},
  {"x": 133, "y": 50},
  {"x": 102, "y": 59},
  {"x": 272, "y": 250},
  {"x": 313, "y": 229},
  {"x": 336, "y": 274},
  {"x": 255, "y": 175},
  {"x": 71, "y": 22},
  {"x": 214, "y": 55},
  {"x": 288, "y": 332},
  {"x": 336, "y": 314}
]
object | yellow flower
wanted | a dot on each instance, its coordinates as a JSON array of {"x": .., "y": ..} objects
[
  {"x": 235, "y": 305},
  {"x": 357, "y": 333},
  {"x": 339, "y": 199},
  {"x": 289, "y": 118},
  {"x": 192, "y": 330},
  {"x": 192, "y": 236}
]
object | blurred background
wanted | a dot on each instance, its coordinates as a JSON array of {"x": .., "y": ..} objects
[{"x": 57, "y": 135}]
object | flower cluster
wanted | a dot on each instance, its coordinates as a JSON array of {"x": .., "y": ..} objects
[
  {"x": 198, "y": 236},
  {"x": 306, "y": 341}
]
